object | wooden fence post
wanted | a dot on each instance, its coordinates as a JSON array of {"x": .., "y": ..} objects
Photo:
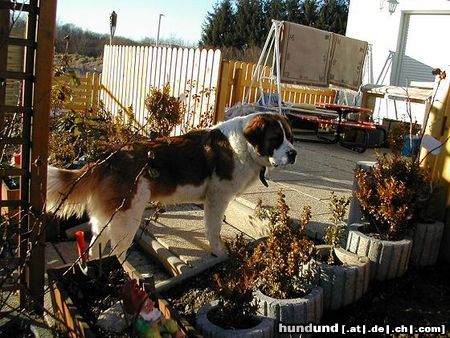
[
  {"x": 39, "y": 151},
  {"x": 222, "y": 91},
  {"x": 95, "y": 89},
  {"x": 4, "y": 33},
  {"x": 236, "y": 94}
]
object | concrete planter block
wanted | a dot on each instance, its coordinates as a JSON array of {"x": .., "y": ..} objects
[
  {"x": 263, "y": 330},
  {"x": 304, "y": 310},
  {"x": 388, "y": 259},
  {"x": 343, "y": 284},
  {"x": 426, "y": 243},
  {"x": 444, "y": 253}
]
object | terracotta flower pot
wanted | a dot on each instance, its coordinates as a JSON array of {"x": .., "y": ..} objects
[
  {"x": 208, "y": 329},
  {"x": 426, "y": 243},
  {"x": 388, "y": 259},
  {"x": 303, "y": 310},
  {"x": 345, "y": 282}
]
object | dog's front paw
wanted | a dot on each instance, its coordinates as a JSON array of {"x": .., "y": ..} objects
[{"x": 219, "y": 249}]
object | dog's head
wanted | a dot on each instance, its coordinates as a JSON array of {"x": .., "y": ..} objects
[{"x": 270, "y": 137}]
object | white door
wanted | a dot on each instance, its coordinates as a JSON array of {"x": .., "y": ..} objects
[{"x": 424, "y": 47}]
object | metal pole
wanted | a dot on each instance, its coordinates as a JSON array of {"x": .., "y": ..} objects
[
  {"x": 255, "y": 76},
  {"x": 159, "y": 26},
  {"x": 277, "y": 56}
]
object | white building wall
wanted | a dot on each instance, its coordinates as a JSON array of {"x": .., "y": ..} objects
[{"x": 382, "y": 31}]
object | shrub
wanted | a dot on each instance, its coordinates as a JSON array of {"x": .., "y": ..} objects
[
  {"x": 336, "y": 229},
  {"x": 61, "y": 91},
  {"x": 86, "y": 136},
  {"x": 397, "y": 136},
  {"x": 77, "y": 137},
  {"x": 285, "y": 261},
  {"x": 235, "y": 289},
  {"x": 164, "y": 111},
  {"x": 392, "y": 195}
]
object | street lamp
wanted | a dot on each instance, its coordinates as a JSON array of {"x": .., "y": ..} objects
[
  {"x": 392, "y": 6},
  {"x": 112, "y": 25},
  {"x": 159, "y": 26}
]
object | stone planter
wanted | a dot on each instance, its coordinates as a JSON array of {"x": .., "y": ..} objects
[
  {"x": 426, "y": 243},
  {"x": 345, "y": 283},
  {"x": 388, "y": 259},
  {"x": 304, "y": 310},
  {"x": 210, "y": 330}
]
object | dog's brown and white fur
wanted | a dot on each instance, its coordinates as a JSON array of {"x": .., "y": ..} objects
[{"x": 209, "y": 166}]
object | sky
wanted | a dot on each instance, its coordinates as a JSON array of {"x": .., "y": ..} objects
[{"x": 138, "y": 19}]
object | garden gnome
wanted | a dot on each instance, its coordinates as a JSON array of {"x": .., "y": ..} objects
[{"x": 150, "y": 322}]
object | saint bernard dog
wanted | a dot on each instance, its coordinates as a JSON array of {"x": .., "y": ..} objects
[{"x": 209, "y": 166}]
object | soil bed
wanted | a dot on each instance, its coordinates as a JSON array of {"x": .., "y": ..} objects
[
  {"x": 188, "y": 298},
  {"x": 92, "y": 296},
  {"x": 215, "y": 316}
]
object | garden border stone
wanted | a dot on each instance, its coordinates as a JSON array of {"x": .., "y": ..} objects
[
  {"x": 303, "y": 310},
  {"x": 389, "y": 259},
  {"x": 343, "y": 284},
  {"x": 426, "y": 243}
]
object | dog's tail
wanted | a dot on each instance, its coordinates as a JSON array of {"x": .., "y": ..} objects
[{"x": 68, "y": 191}]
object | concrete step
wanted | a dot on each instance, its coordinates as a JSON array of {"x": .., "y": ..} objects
[{"x": 177, "y": 239}]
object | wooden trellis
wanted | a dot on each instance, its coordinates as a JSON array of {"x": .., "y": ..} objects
[{"x": 33, "y": 117}]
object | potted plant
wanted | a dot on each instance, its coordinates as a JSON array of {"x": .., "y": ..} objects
[
  {"x": 234, "y": 313},
  {"x": 286, "y": 279},
  {"x": 391, "y": 196},
  {"x": 344, "y": 276}
]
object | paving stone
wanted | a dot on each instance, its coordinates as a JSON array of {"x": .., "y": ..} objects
[
  {"x": 318, "y": 188},
  {"x": 295, "y": 201},
  {"x": 52, "y": 258}
]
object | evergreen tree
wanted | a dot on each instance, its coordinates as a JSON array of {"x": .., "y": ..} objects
[
  {"x": 293, "y": 11},
  {"x": 245, "y": 23},
  {"x": 333, "y": 16},
  {"x": 309, "y": 9},
  {"x": 218, "y": 28},
  {"x": 250, "y": 30},
  {"x": 274, "y": 9}
]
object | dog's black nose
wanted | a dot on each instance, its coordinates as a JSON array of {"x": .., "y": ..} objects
[{"x": 291, "y": 154}]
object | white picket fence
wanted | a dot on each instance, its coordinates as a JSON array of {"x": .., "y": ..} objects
[{"x": 129, "y": 72}]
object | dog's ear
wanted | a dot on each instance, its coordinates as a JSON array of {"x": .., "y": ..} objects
[
  {"x": 287, "y": 128},
  {"x": 254, "y": 132}
]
